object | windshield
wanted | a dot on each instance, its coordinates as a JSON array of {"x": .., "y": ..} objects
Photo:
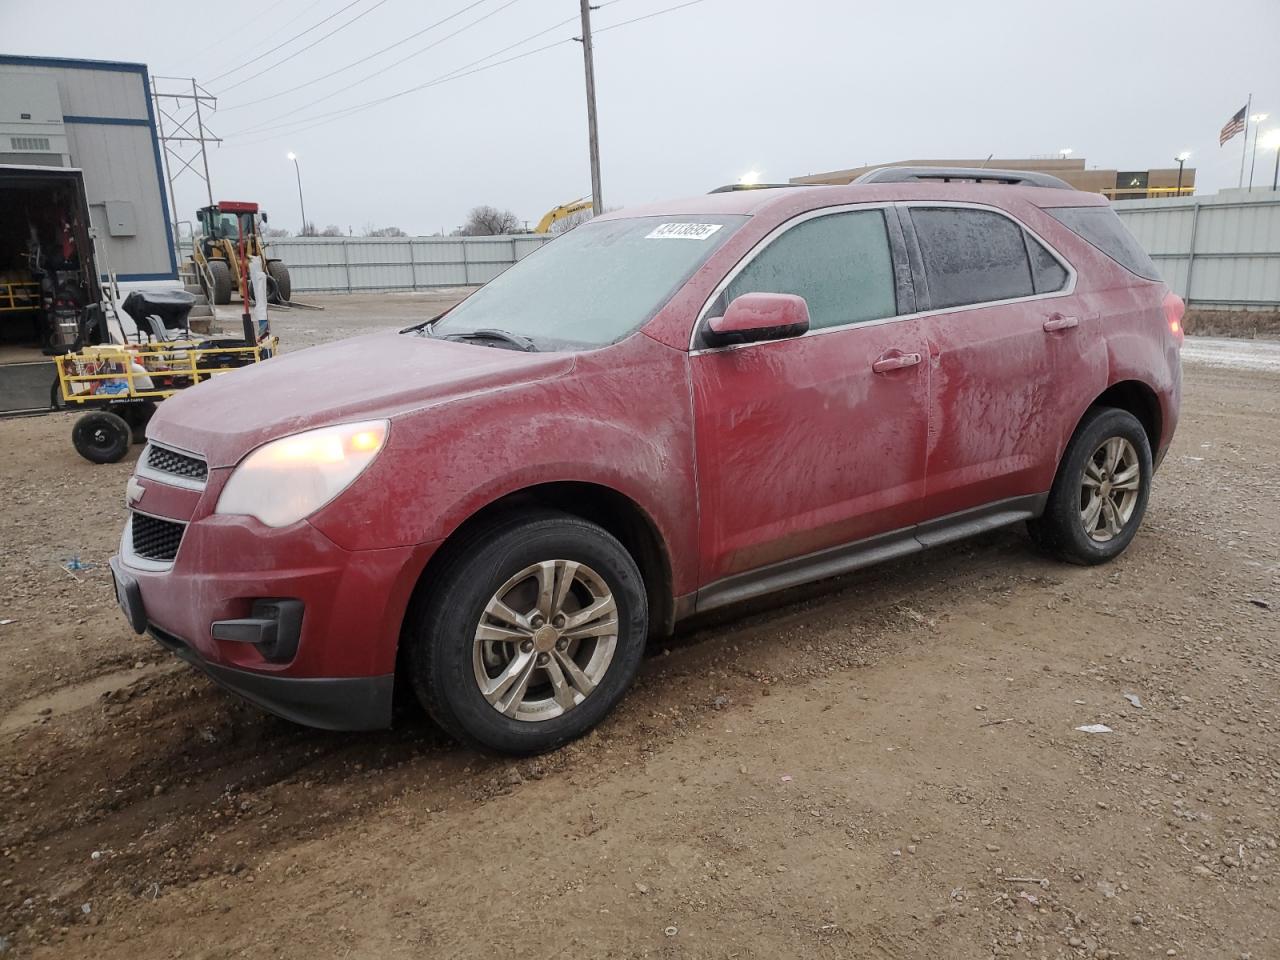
[{"x": 595, "y": 284}]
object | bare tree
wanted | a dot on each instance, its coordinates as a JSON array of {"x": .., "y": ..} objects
[
  {"x": 486, "y": 221},
  {"x": 309, "y": 230},
  {"x": 276, "y": 233},
  {"x": 332, "y": 230},
  {"x": 371, "y": 231}
]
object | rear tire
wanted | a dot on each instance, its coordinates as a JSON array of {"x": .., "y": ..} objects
[
  {"x": 1100, "y": 494},
  {"x": 531, "y": 688},
  {"x": 283, "y": 285},
  {"x": 101, "y": 437},
  {"x": 220, "y": 271}
]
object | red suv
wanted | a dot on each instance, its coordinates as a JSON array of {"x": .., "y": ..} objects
[{"x": 665, "y": 411}]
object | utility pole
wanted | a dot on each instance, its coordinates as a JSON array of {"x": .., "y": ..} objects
[
  {"x": 301, "y": 205},
  {"x": 597, "y": 204}
]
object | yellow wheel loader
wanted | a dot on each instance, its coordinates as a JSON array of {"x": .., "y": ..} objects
[{"x": 217, "y": 254}]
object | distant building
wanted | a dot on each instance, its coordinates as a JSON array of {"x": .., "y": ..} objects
[
  {"x": 97, "y": 116},
  {"x": 1113, "y": 184}
]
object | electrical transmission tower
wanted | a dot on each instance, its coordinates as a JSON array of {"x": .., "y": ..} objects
[{"x": 181, "y": 106}]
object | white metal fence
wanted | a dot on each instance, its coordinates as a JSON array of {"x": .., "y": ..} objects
[
  {"x": 1220, "y": 252},
  {"x": 355, "y": 264},
  {"x": 1217, "y": 253}
]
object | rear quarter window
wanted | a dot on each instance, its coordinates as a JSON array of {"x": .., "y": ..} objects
[{"x": 1101, "y": 228}]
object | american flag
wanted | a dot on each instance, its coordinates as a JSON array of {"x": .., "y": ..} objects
[{"x": 1234, "y": 125}]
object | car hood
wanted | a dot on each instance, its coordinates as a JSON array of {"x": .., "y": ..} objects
[{"x": 381, "y": 375}]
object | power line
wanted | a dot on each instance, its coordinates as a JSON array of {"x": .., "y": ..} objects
[
  {"x": 285, "y": 43},
  {"x": 356, "y": 63},
  {"x": 237, "y": 31},
  {"x": 329, "y": 96},
  {"x": 337, "y": 29},
  {"x": 307, "y": 123},
  {"x": 647, "y": 16},
  {"x": 323, "y": 118}
]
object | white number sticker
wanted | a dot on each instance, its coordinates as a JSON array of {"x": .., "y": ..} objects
[{"x": 683, "y": 231}]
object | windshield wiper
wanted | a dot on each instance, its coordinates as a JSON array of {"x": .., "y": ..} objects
[
  {"x": 490, "y": 333},
  {"x": 423, "y": 328}
]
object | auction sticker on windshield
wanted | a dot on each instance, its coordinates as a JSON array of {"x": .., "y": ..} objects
[{"x": 683, "y": 231}]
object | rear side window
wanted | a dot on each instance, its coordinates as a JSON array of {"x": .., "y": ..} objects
[
  {"x": 1047, "y": 273},
  {"x": 971, "y": 256},
  {"x": 840, "y": 263},
  {"x": 1103, "y": 229}
]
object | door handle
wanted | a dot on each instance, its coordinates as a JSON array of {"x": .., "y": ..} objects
[
  {"x": 1060, "y": 322},
  {"x": 885, "y": 364}
]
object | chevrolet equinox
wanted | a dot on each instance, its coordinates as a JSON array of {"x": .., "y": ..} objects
[{"x": 664, "y": 411}]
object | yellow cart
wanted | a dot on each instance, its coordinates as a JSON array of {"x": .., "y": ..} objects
[{"x": 119, "y": 385}]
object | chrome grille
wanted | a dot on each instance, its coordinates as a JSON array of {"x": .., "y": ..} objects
[
  {"x": 164, "y": 460},
  {"x": 156, "y": 539}
]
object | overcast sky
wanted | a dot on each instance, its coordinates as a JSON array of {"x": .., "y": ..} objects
[{"x": 688, "y": 100}]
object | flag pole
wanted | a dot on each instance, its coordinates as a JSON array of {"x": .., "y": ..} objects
[{"x": 1248, "y": 108}]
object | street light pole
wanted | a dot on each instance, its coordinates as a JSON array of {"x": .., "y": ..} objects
[
  {"x": 1257, "y": 119},
  {"x": 302, "y": 206},
  {"x": 1272, "y": 142},
  {"x": 597, "y": 204},
  {"x": 1181, "y": 158}
]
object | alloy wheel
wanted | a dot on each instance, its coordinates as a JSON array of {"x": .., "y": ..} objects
[
  {"x": 545, "y": 640},
  {"x": 1109, "y": 488}
]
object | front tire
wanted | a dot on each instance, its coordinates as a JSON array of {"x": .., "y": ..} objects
[
  {"x": 531, "y": 634},
  {"x": 1100, "y": 494},
  {"x": 220, "y": 272}
]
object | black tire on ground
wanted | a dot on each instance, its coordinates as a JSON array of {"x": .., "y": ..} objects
[
  {"x": 136, "y": 415},
  {"x": 221, "y": 274},
  {"x": 101, "y": 437},
  {"x": 283, "y": 287},
  {"x": 442, "y": 649},
  {"x": 1061, "y": 530}
]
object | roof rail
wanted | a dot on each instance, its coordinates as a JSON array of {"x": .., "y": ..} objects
[
  {"x": 1022, "y": 178},
  {"x": 733, "y": 187}
]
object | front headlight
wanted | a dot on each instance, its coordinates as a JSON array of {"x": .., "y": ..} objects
[{"x": 288, "y": 479}]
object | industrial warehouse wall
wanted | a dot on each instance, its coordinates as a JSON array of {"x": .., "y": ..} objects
[
  {"x": 102, "y": 112},
  {"x": 1217, "y": 253},
  {"x": 351, "y": 264}
]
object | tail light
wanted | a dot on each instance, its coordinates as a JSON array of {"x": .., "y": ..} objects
[{"x": 1174, "y": 308}]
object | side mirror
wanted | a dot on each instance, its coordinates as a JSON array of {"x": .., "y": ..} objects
[
  {"x": 263, "y": 215},
  {"x": 753, "y": 317}
]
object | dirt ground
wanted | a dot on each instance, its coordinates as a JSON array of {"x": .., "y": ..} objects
[{"x": 884, "y": 766}]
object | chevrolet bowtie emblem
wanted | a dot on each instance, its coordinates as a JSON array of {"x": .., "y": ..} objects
[{"x": 133, "y": 492}]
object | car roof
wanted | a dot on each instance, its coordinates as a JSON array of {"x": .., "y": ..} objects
[{"x": 752, "y": 202}]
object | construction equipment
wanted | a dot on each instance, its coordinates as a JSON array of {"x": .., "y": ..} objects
[
  {"x": 562, "y": 211},
  {"x": 229, "y": 237}
]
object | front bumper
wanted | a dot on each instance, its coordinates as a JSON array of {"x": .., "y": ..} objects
[
  {"x": 327, "y": 703},
  {"x": 338, "y": 674}
]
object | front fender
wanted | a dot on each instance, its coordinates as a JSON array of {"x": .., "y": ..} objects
[{"x": 620, "y": 419}]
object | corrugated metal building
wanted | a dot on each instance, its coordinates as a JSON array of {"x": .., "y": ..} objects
[{"x": 95, "y": 115}]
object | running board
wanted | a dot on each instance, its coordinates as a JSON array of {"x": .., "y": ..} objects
[{"x": 837, "y": 561}]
